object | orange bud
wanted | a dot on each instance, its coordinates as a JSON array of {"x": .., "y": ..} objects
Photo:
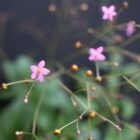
[
  {"x": 78, "y": 44},
  {"x": 74, "y": 68},
  {"x": 125, "y": 5},
  {"x": 91, "y": 114},
  {"x": 89, "y": 73},
  {"x": 57, "y": 132},
  {"x": 99, "y": 79},
  {"x": 4, "y": 86}
]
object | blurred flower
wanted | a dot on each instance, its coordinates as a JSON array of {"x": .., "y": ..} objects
[
  {"x": 108, "y": 12},
  {"x": 39, "y": 71},
  {"x": 130, "y": 29},
  {"x": 96, "y": 54}
]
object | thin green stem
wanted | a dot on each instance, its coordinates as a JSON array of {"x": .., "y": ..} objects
[
  {"x": 109, "y": 121},
  {"x": 88, "y": 96},
  {"x": 69, "y": 124},
  {"x": 30, "y": 89},
  {"x": 72, "y": 94},
  {"x": 110, "y": 107},
  {"x": 134, "y": 129},
  {"x": 131, "y": 83},
  {"x": 19, "y": 82},
  {"x": 37, "y": 112},
  {"x": 89, "y": 127}
]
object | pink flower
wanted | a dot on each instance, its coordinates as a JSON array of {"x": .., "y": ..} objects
[
  {"x": 109, "y": 12},
  {"x": 39, "y": 71},
  {"x": 130, "y": 29},
  {"x": 96, "y": 54}
]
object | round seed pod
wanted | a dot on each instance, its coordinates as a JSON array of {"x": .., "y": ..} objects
[
  {"x": 115, "y": 109},
  {"x": 57, "y": 132},
  {"x": 74, "y": 68},
  {"x": 99, "y": 79},
  {"x": 78, "y": 44},
  {"x": 125, "y": 5},
  {"x": 91, "y": 114},
  {"x": 52, "y": 8},
  {"x": 4, "y": 86},
  {"x": 89, "y": 73}
]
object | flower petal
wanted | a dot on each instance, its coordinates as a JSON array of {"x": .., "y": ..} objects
[
  {"x": 33, "y": 68},
  {"x": 111, "y": 8},
  {"x": 41, "y": 64},
  {"x": 104, "y": 9},
  {"x": 40, "y": 78},
  {"x": 105, "y": 16},
  {"x": 91, "y": 58},
  {"x": 100, "y": 49},
  {"x": 92, "y": 51},
  {"x": 101, "y": 57},
  {"x": 34, "y": 75},
  {"x": 114, "y": 13},
  {"x": 45, "y": 71}
]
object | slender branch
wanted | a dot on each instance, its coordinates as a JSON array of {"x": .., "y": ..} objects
[{"x": 131, "y": 83}]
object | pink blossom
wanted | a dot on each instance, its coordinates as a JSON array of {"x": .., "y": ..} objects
[
  {"x": 130, "y": 29},
  {"x": 96, "y": 54},
  {"x": 39, "y": 71},
  {"x": 109, "y": 12}
]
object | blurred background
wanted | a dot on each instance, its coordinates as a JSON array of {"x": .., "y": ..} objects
[{"x": 32, "y": 30}]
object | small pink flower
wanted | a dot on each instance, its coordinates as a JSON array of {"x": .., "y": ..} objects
[
  {"x": 109, "y": 12},
  {"x": 39, "y": 71},
  {"x": 130, "y": 29},
  {"x": 96, "y": 54}
]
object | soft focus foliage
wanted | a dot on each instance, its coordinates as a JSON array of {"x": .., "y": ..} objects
[{"x": 78, "y": 78}]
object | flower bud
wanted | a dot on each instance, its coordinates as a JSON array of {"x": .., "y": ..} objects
[
  {"x": 78, "y": 45},
  {"x": 52, "y": 8},
  {"x": 90, "y": 138},
  {"x": 84, "y": 7},
  {"x": 57, "y": 132},
  {"x": 4, "y": 86},
  {"x": 91, "y": 114},
  {"x": 89, "y": 73},
  {"x": 74, "y": 68},
  {"x": 115, "y": 109},
  {"x": 125, "y": 5},
  {"x": 99, "y": 79}
]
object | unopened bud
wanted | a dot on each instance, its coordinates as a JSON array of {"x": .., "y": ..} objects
[
  {"x": 52, "y": 8},
  {"x": 78, "y": 132},
  {"x": 26, "y": 99},
  {"x": 125, "y": 5},
  {"x": 90, "y": 138},
  {"x": 99, "y": 79},
  {"x": 57, "y": 132},
  {"x": 74, "y": 68},
  {"x": 84, "y": 7},
  {"x": 4, "y": 86},
  {"x": 89, "y": 73},
  {"x": 78, "y": 44},
  {"x": 91, "y": 114},
  {"x": 18, "y": 133}
]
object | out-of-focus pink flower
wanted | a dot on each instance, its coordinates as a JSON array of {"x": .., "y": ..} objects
[
  {"x": 109, "y": 12},
  {"x": 96, "y": 54},
  {"x": 130, "y": 29},
  {"x": 39, "y": 71}
]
